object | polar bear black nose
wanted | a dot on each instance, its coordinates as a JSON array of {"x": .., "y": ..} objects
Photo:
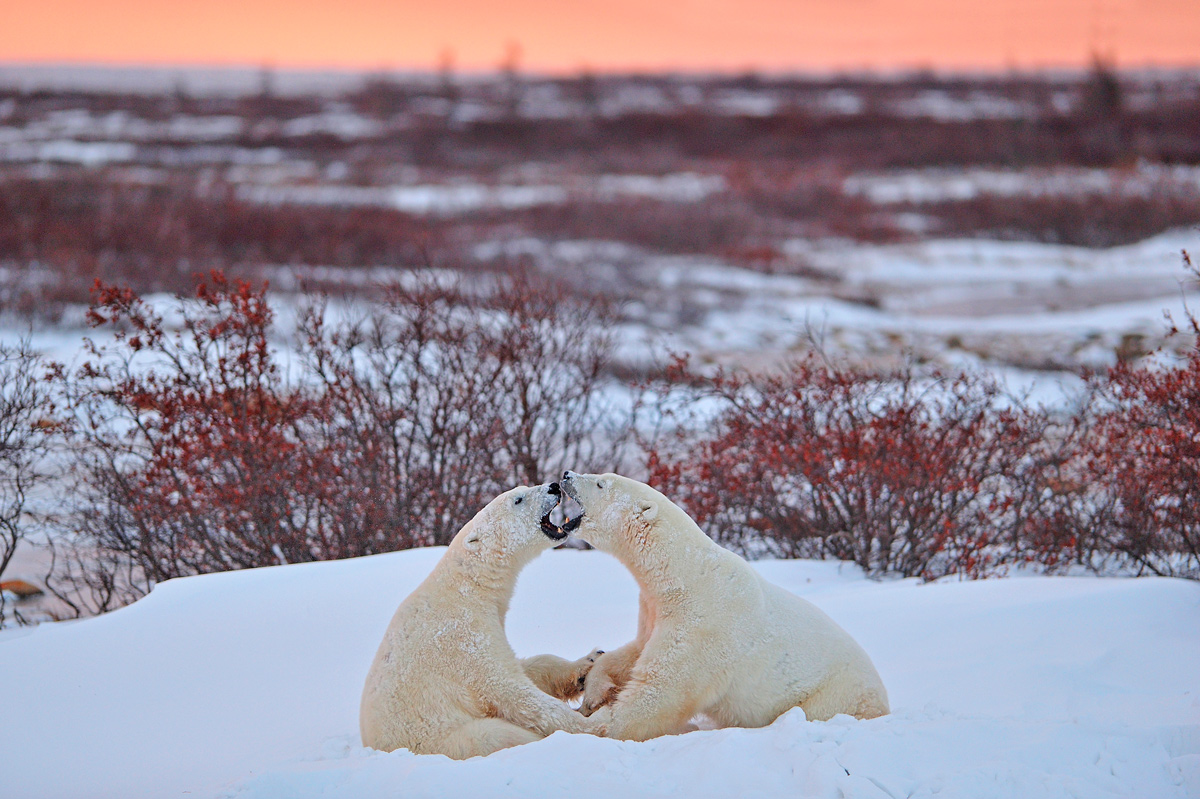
[
  {"x": 554, "y": 490},
  {"x": 567, "y": 475}
]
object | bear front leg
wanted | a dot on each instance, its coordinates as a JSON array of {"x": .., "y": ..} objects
[
  {"x": 608, "y": 676},
  {"x": 559, "y": 677},
  {"x": 527, "y": 707},
  {"x": 481, "y": 737},
  {"x": 667, "y": 687}
]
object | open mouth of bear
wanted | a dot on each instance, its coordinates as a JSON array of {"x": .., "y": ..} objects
[
  {"x": 560, "y": 531},
  {"x": 558, "y": 522}
]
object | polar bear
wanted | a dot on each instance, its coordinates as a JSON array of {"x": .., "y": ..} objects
[
  {"x": 445, "y": 679},
  {"x": 714, "y": 637}
]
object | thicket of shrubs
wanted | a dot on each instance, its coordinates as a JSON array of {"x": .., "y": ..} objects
[
  {"x": 81, "y": 226},
  {"x": 192, "y": 450},
  {"x": 899, "y": 473},
  {"x": 933, "y": 475},
  {"x": 191, "y": 446},
  {"x": 27, "y": 427}
]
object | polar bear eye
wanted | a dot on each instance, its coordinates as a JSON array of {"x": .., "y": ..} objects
[
  {"x": 518, "y": 500},
  {"x": 599, "y": 484}
]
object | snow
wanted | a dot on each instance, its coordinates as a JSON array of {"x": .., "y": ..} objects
[
  {"x": 841, "y": 101},
  {"x": 338, "y": 122},
  {"x": 1052, "y": 309},
  {"x": 71, "y": 152},
  {"x": 632, "y": 98},
  {"x": 465, "y": 196},
  {"x": 940, "y": 105},
  {"x": 414, "y": 199},
  {"x": 121, "y": 129},
  {"x": 936, "y": 184},
  {"x": 741, "y": 102},
  {"x": 246, "y": 684},
  {"x": 683, "y": 187},
  {"x": 204, "y": 81}
]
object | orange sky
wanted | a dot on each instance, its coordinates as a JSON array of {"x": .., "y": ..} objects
[{"x": 566, "y": 35}]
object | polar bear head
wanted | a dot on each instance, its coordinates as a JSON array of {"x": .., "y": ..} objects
[
  {"x": 513, "y": 528},
  {"x": 621, "y": 515}
]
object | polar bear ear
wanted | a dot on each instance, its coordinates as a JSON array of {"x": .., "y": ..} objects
[{"x": 648, "y": 509}]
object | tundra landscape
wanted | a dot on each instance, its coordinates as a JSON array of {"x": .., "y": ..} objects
[{"x": 921, "y": 346}]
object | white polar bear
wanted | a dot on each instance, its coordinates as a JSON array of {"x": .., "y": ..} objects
[
  {"x": 714, "y": 637},
  {"x": 445, "y": 679}
]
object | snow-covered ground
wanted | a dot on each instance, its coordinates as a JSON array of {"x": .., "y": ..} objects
[
  {"x": 457, "y": 198},
  {"x": 1032, "y": 314},
  {"x": 246, "y": 684},
  {"x": 941, "y": 184}
]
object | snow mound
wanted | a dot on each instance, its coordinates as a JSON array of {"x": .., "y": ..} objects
[{"x": 246, "y": 684}]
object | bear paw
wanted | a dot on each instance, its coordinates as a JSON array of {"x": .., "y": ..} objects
[
  {"x": 598, "y": 691},
  {"x": 583, "y": 667},
  {"x": 602, "y": 719}
]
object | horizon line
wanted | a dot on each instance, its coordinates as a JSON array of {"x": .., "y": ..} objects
[{"x": 899, "y": 69}]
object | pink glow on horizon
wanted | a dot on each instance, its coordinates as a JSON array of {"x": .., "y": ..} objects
[{"x": 561, "y": 36}]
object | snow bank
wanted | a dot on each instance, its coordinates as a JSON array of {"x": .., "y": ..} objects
[{"x": 246, "y": 684}]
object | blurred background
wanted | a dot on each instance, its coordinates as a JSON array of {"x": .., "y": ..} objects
[
  {"x": 1001, "y": 188},
  {"x": 890, "y": 172},
  {"x": 743, "y": 171}
]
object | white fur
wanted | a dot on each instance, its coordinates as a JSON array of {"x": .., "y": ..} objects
[
  {"x": 714, "y": 637},
  {"x": 445, "y": 679}
]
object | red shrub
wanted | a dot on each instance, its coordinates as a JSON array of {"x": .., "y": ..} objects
[
  {"x": 899, "y": 474},
  {"x": 445, "y": 395},
  {"x": 1144, "y": 456},
  {"x": 194, "y": 454},
  {"x": 933, "y": 476}
]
